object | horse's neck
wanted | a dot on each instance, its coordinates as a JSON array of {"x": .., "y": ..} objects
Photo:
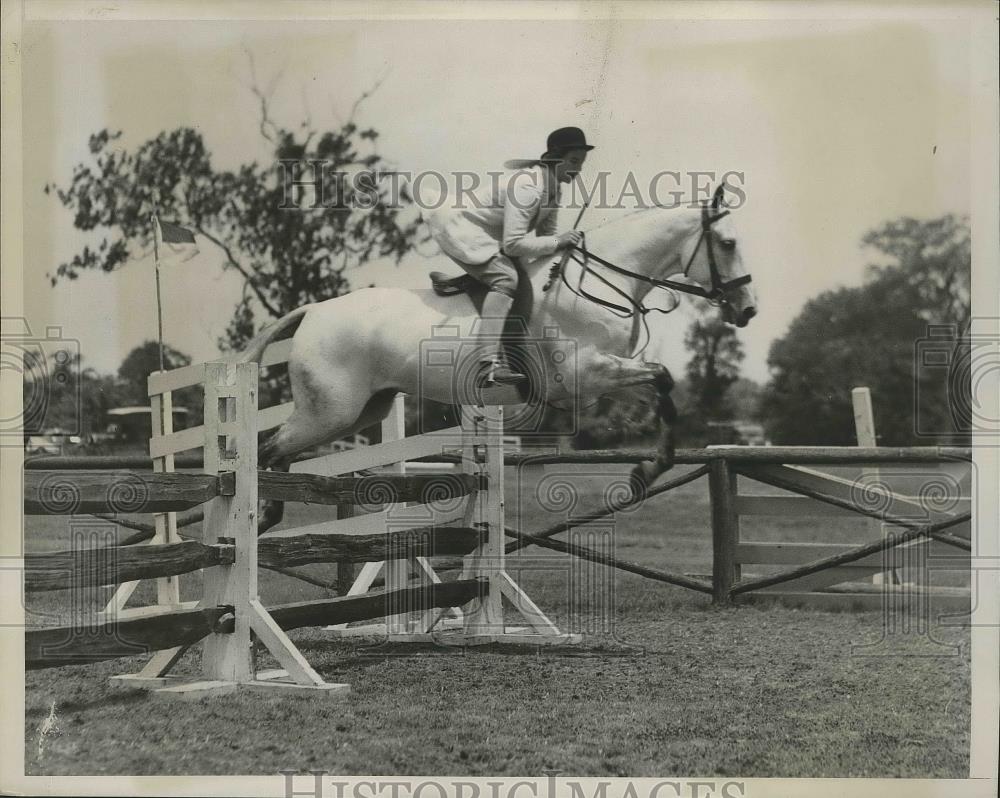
[{"x": 643, "y": 243}]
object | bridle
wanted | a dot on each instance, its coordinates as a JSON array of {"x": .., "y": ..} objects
[
  {"x": 720, "y": 287},
  {"x": 717, "y": 295}
]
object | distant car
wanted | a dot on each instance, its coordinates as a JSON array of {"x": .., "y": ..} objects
[
  {"x": 751, "y": 434},
  {"x": 42, "y": 444},
  {"x": 52, "y": 441},
  {"x": 737, "y": 433}
]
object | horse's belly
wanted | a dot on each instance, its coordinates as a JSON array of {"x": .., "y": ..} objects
[
  {"x": 419, "y": 343},
  {"x": 387, "y": 338}
]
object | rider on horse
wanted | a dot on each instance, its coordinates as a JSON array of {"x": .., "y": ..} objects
[{"x": 487, "y": 240}]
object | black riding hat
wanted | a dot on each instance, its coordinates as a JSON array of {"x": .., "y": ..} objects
[
  {"x": 557, "y": 144},
  {"x": 565, "y": 139}
]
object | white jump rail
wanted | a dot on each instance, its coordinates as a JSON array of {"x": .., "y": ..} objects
[
  {"x": 481, "y": 441},
  {"x": 229, "y": 439},
  {"x": 228, "y": 662},
  {"x": 392, "y": 452}
]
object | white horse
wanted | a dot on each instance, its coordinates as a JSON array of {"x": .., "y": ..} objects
[{"x": 353, "y": 354}]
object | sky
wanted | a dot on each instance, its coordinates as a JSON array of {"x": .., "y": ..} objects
[{"x": 836, "y": 125}]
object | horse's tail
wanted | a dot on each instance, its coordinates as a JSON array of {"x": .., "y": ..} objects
[
  {"x": 255, "y": 350},
  {"x": 427, "y": 200}
]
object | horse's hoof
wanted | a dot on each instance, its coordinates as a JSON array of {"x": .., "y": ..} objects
[
  {"x": 665, "y": 462},
  {"x": 270, "y": 515},
  {"x": 642, "y": 476}
]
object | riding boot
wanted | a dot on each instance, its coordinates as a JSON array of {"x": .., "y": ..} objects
[{"x": 496, "y": 306}]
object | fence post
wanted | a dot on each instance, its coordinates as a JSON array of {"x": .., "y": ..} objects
[
  {"x": 483, "y": 455},
  {"x": 396, "y": 572},
  {"x": 230, "y": 445},
  {"x": 162, "y": 415},
  {"x": 725, "y": 529},
  {"x": 864, "y": 430}
]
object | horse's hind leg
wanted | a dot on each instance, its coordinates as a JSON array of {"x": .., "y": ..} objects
[
  {"x": 275, "y": 453},
  {"x": 301, "y": 432},
  {"x": 602, "y": 373}
]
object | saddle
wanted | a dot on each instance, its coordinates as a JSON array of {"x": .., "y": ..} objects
[{"x": 515, "y": 337}]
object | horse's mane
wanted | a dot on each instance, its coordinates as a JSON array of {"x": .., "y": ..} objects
[{"x": 636, "y": 212}]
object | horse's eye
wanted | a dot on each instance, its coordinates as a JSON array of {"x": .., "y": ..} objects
[{"x": 728, "y": 244}]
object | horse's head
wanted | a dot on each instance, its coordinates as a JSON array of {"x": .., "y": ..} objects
[{"x": 712, "y": 259}]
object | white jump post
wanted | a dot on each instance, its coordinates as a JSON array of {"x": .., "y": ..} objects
[
  {"x": 864, "y": 430},
  {"x": 486, "y": 505},
  {"x": 483, "y": 453},
  {"x": 161, "y": 449},
  {"x": 168, "y": 592},
  {"x": 412, "y": 627},
  {"x": 228, "y": 437},
  {"x": 228, "y": 662},
  {"x": 480, "y": 438}
]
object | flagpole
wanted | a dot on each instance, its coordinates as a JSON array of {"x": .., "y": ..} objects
[
  {"x": 165, "y": 524},
  {"x": 159, "y": 303}
]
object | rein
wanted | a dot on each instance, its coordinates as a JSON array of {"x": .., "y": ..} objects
[{"x": 636, "y": 308}]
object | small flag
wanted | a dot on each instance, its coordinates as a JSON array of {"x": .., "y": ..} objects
[
  {"x": 175, "y": 234},
  {"x": 178, "y": 240}
]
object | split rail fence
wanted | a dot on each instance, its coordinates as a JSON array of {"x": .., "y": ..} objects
[{"x": 415, "y": 601}]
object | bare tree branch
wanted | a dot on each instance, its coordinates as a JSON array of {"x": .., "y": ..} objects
[
  {"x": 366, "y": 94},
  {"x": 268, "y": 129},
  {"x": 333, "y": 109},
  {"x": 247, "y": 276},
  {"x": 307, "y": 121}
]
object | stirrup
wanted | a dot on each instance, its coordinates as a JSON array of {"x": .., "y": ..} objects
[{"x": 497, "y": 372}]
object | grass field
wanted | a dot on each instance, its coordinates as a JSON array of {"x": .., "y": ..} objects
[{"x": 663, "y": 684}]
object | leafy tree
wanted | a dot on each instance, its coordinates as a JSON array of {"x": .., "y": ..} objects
[
  {"x": 61, "y": 394},
  {"x": 744, "y": 399},
  {"x": 714, "y": 367},
  {"x": 842, "y": 339},
  {"x": 143, "y": 361},
  {"x": 934, "y": 259},
  {"x": 869, "y": 336},
  {"x": 51, "y": 390},
  {"x": 286, "y": 257},
  {"x": 66, "y": 396}
]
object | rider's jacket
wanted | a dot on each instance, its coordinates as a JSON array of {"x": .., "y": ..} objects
[{"x": 517, "y": 203}]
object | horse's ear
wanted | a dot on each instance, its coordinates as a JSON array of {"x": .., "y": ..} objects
[{"x": 720, "y": 192}]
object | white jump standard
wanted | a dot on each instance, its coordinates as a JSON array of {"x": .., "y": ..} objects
[{"x": 230, "y": 445}]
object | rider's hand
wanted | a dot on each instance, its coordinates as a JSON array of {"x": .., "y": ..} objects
[{"x": 569, "y": 240}]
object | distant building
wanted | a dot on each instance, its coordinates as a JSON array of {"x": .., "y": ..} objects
[{"x": 135, "y": 424}]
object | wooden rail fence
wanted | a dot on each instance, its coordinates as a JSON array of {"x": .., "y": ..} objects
[{"x": 230, "y": 616}]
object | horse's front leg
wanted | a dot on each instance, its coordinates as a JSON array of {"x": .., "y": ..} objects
[
  {"x": 601, "y": 373},
  {"x": 646, "y": 472}
]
